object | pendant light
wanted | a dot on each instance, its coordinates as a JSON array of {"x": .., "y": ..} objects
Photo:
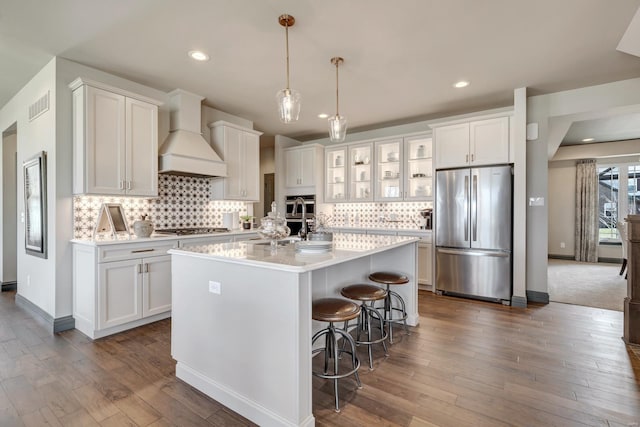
[
  {"x": 288, "y": 99},
  {"x": 337, "y": 123}
]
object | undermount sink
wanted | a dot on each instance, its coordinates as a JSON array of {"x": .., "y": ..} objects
[{"x": 280, "y": 243}]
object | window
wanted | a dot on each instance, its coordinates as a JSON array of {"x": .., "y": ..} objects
[
  {"x": 612, "y": 205},
  {"x": 633, "y": 190},
  {"x": 608, "y": 188}
]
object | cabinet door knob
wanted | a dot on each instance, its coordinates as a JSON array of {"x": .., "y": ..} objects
[
  {"x": 472, "y": 157},
  {"x": 128, "y": 185},
  {"x": 120, "y": 185},
  {"x": 466, "y": 158}
]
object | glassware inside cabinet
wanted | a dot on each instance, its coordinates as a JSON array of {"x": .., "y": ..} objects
[
  {"x": 389, "y": 169},
  {"x": 336, "y": 174},
  {"x": 419, "y": 167},
  {"x": 360, "y": 160}
]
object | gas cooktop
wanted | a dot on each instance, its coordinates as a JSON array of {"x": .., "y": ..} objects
[{"x": 187, "y": 231}]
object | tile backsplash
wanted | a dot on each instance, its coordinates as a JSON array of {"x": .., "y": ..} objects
[
  {"x": 183, "y": 202},
  {"x": 402, "y": 215}
]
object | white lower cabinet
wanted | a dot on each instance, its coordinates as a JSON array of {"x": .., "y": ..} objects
[
  {"x": 120, "y": 286},
  {"x": 425, "y": 270}
]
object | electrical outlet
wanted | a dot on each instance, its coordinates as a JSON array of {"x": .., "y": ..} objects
[
  {"x": 28, "y": 280},
  {"x": 214, "y": 287},
  {"x": 562, "y": 245}
]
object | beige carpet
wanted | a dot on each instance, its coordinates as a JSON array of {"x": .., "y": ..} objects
[{"x": 591, "y": 284}]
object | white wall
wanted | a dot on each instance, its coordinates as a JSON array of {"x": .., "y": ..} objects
[
  {"x": 562, "y": 208},
  {"x": 35, "y": 276},
  {"x": 562, "y": 185},
  {"x": 8, "y": 203},
  {"x": 554, "y": 114},
  {"x": 47, "y": 282}
]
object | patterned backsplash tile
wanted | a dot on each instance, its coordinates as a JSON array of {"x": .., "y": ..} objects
[
  {"x": 183, "y": 202},
  {"x": 377, "y": 215}
]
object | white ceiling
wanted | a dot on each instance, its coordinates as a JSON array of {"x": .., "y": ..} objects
[
  {"x": 401, "y": 57},
  {"x": 616, "y": 128}
]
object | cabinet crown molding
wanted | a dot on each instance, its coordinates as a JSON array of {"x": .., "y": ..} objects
[
  {"x": 233, "y": 125},
  {"x": 471, "y": 118},
  {"x": 80, "y": 81}
]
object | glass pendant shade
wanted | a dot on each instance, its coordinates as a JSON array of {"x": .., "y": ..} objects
[
  {"x": 337, "y": 128},
  {"x": 337, "y": 123},
  {"x": 289, "y": 101}
]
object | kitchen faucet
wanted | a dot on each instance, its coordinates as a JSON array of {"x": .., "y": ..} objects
[{"x": 303, "y": 231}]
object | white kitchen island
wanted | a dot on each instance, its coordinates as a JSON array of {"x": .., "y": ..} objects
[{"x": 241, "y": 317}]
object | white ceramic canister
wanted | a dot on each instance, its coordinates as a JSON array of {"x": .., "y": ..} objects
[{"x": 227, "y": 220}]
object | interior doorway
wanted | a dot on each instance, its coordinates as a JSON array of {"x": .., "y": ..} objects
[
  {"x": 9, "y": 267},
  {"x": 269, "y": 191}
]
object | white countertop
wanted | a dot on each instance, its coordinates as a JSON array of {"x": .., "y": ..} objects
[
  {"x": 158, "y": 238},
  {"x": 346, "y": 247}
]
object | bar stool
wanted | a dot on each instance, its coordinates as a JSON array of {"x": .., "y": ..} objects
[
  {"x": 335, "y": 310},
  {"x": 388, "y": 279},
  {"x": 367, "y": 293}
]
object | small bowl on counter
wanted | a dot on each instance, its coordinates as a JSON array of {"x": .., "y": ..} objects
[{"x": 325, "y": 236}]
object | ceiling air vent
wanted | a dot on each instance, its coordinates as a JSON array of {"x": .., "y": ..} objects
[{"x": 39, "y": 107}]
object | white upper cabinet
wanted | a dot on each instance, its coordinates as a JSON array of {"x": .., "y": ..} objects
[
  {"x": 389, "y": 170},
  {"x": 418, "y": 183},
  {"x": 361, "y": 172},
  {"x": 300, "y": 166},
  {"x": 474, "y": 143},
  {"x": 336, "y": 188},
  {"x": 240, "y": 149},
  {"x": 489, "y": 141},
  {"x": 115, "y": 141}
]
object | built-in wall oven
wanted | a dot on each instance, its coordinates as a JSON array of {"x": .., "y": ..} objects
[{"x": 294, "y": 218}]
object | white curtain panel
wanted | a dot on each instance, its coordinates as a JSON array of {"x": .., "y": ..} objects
[{"x": 586, "y": 233}]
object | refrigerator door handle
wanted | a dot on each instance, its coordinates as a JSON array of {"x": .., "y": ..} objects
[
  {"x": 498, "y": 254},
  {"x": 474, "y": 200},
  {"x": 466, "y": 208}
]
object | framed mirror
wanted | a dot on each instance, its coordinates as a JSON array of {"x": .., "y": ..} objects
[{"x": 35, "y": 205}]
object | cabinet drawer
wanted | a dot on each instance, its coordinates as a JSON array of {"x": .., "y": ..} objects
[{"x": 134, "y": 250}]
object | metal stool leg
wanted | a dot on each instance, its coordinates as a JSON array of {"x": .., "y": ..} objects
[
  {"x": 331, "y": 350},
  {"x": 389, "y": 309},
  {"x": 403, "y": 309}
]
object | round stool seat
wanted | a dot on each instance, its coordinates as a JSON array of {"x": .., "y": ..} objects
[
  {"x": 388, "y": 278},
  {"x": 363, "y": 292},
  {"x": 334, "y": 310}
]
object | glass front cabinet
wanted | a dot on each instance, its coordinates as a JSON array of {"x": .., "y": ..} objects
[
  {"x": 419, "y": 173},
  {"x": 389, "y": 170},
  {"x": 336, "y": 174},
  {"x": 360, "y": 164}
]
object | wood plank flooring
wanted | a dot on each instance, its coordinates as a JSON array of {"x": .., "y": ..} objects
[{"x": 469, "y": 363}]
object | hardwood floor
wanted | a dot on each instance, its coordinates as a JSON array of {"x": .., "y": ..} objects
[{"x": 468, "y": 363}]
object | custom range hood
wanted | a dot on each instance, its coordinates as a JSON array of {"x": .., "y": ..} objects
[{"x": 185, "y": 151}]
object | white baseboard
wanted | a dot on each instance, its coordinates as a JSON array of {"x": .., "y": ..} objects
[{"x": 237, "y": 402}]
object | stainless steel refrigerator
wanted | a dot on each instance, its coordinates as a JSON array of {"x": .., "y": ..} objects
[{"x": 473, "y": 231}]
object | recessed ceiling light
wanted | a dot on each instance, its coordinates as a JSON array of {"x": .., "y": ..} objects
[
  {"x": 461, "y": 84},
  {"x": 588, "y": 139},
  {"x": 198, "y": 55},
  {"x": 323, "y": 115}
]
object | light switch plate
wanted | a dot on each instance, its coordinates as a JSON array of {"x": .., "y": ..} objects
[
  {"x": 536, "y": 201},
  {"x": 214, "y": 287}
]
